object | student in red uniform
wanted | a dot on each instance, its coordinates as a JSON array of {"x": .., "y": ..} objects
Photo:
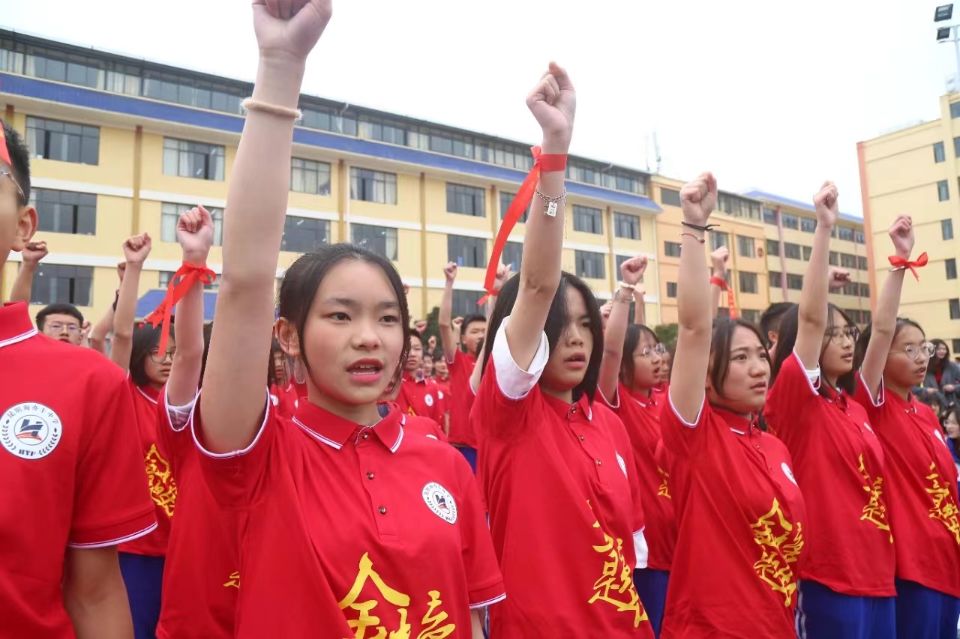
[
  {"x": 352, "y": 528},
  {"x": 742, "y": 526},
  {"x": 847, "y": 583},
  {"x": 556, "y": 467},
  {"x": 419, "y": 395},
  {"x": 69, "y": 462},
  {"x": 629, "y": 372},
  {"x": 921, "y": 476}
]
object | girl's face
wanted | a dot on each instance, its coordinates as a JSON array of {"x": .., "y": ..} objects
[
  {"x": 665, "y": 368},
  {"x": 907, "y": 360},
  {"x": 647, "y": 360},
  {"x": 748, "y": 374},
  {"x": 415, "y": 355},
  {"x": 839, "y": 342},
  {"x": 280, "y": 369},
  {"x": 568, "y": 361},
  {"x": 352, "y": 340},
  {"x": 941, "y": 351},
  {"x": 951, "y": 426},
  {"x": 157, "y": 365}
]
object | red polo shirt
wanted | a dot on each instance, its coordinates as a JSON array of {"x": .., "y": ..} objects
[
  {"x": 354, "y": 531},
  {"x": 562, "y": 510},
  {"x": 285, "y": 399},
  {"x": 423, "y": 426},
  {"x": 641, "y": 417},
  {"x": 421, "y": 397},
  {"x": 70, "y": 467},
  {"x": 461, "y": 399},
  {"x": 742, "y": 528},
  {"x": 923, "y": 489},
  {"x": 839, "y": 465}
]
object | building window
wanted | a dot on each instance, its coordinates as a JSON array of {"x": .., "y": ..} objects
[
  {"x": 773, "y": 248},
  {"x": 466, "y": 200},
  {"x": 848, "y": 261},
  {"x": 197, "y": 160},
  {"x": 671, "y": 249},
  {"x": 845, "y": 233},
  {"x": 751, "y": 315},
  {"x": 590, "y": 264},
  {"x": 862, "y": 263},
  {"x": 382, "y": 240},
  {"x": 304, "y": 234},
  {"x": 308, "y": 176},
  {"x": 512, "y": 255},
  {"x": 790, "y": 221},
  {"x": 794, "y": 282},
  {"x": 587, "y": 219},
  {"x": 864, "y": 290},
  {"x": 746, "y": 246},
  {"x": 63, "y": 141},
  {"x": 955, "y": 110},
  {"x": 954, "y": 308},
  {"x": 807, "y": 252},
  {"x": 939, "y": 155},
  {"x": 748, "y": 282},
  {"x": 66, "y": 211},
  {"x": 671, "y": 289},
  {"x": 943, "y": 191},
  {"x": 834, "y": 258},
  {"x": 61, "y": 284},
  {"x": 775, "y": 278},
  {"x": 170, "y": 215},
  {"x": 951, "y": 266},
  {"x": 769, "y": 216},
  {"x": 808, "y": 224},
  {"x": 373, "y": 186},
  {"x": 859, "y": 237},
  {"x": 791, "y": 250},
  {"x": 946, "y": 229},
  {"x": 626, "y": 226},
  {"x": 506, "y": 199},
  {"x": 465, "y": 303},
  {"x": 719, "y": 239},
  {"x": 373, "y": 130},
  {"x": 467, "y": 251},
  {"x": 670, "y": 197}
]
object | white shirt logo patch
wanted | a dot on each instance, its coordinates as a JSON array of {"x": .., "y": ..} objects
[
  {"x": 622, "y": 464},
  {"x": 789, "y": 473},
  {"x": 441, "y": 502},
  {"x": 30, "y": 430},
  {"x": 428, "y": 399}
]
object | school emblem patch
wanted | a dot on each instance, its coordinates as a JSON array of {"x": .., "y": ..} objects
[
  {"x": 440, "y": 502},
  {"x": 30, "y": 430},
  {"x": 428, "y": 399}
]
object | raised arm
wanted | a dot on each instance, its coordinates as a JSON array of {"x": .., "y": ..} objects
[
  {"x": 812, "y": 314},
  {"x": 639, "y": 306},
  {"x": 195, "y": 235},
  {"x": 553, "y": 104},
  {"x": 888, "y": 303},
  {"x": 98, "y": 336},
  {"x": 135, "y": 252},
  {"x": 503, "y": 274},
  {"x": 631, "y": 273},
  {"x": 448, "y": 336},
  {"x": 232, "y": 403},
  {"x": 23, "y": 284},
  {"x": 697, "y": 199},
  {"x": 718, "y": 260}
]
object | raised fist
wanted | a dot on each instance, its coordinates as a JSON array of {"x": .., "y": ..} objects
[
  {"x": 632, "y": 270},
  {"x": 553, "y": 103},
  {"x": 420, "y": 326},
  {"x": 503, "y": 274},
  {"x": 33, "y": 252},
  {"x": 450, "y": 271},
  {"x": 137, "y": 248},
  {"x": 719, "y": 259},
  {"x": 457, "y": 322},
  {"x": 288, "y": 29},
  {"x": 698, "y": 198},
  {"x": 826, "y": 202},
  {"x": 195, "y": 234},
  {"x": 837, "y": 278},
  {"x": 901, "y": 233}
]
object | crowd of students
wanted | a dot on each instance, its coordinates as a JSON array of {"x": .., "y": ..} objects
[{"x": 545, "y": 473}]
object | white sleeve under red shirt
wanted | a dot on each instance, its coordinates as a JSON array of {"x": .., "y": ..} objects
[
  {"x": 839, "y": 465},
  {"x": 70, "y": 467},
  {"x": 562, "y": 514},
  {"x": 353, "y": 531},
  {"x": 922, "y": 484},
  {"x": 741, "y": 529}
]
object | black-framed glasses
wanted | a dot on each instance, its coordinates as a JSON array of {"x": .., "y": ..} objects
[
  {"x": 159, "y": 358},
  {"x": 836, "y": 335},
  {"x": 659, "y": 349},
  {"x": 7, "y": 174},
  {"x": 56, "y": 327},
  {"x": 919, "y": 351}
]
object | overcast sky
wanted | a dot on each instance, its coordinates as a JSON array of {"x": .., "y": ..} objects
[{"x": 772, "y": 95}]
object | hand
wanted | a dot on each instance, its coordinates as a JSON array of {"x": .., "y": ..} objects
[
  {"x": 195, "y": 234},
  {"x": 289, "y": 29},
  {"x": 121, "y": 269},
  {"x": 632, "y": 270},
  {"x": 456, "y": 322},
  {"x": 698, "y": 198},
  {"x": 503, "y": 274},
  {"x": 837, "y": 278},
  {"x": 949, "y": 388},
  {"x": 827, "y": 205},
  {"x": 605, "y": 310},
  {"x": 432, "y": 343},
  {"x": 450, "y": 271},
  {"x": 930, "y": 391},
  {"x": 553, "y": 103},
  {"x": 901, "y": 234},
  {"x": 85, "y": 329},
  {"x": 420, "y": 326},
  {"x": 33, "y": 252},
  {"x": 719, "y": 259},
  {"x": 406, "y": 290},
  {"x": 136, "y": 249}
]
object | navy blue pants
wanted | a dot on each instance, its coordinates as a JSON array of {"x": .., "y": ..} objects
[
  {"x": 825, "y": 614},
  {"x": 923, "y": 613},
  {"x": 143, "y": 577},
  {"x": 471, "y": 454},
  {"x": 652, "y": 587}
]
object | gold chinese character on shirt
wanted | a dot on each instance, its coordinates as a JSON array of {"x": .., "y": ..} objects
[
  {"x": 780, "y": 544},
  {"x": 233, "y": 581},
  {"x": 163, "y": 488},
  {"x": 367, "y": 625},
  {"x": 875, "y": 511},
  {"x": 615, "y": 586},
  {"x": 944, "y": 507},
  {"x": 664, "y": 489}
]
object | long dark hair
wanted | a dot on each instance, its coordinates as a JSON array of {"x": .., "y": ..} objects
[
  {"x": 864, "y": 341},
  {"x": 557, "y": 318},
  {"x": 303, "y": 278},
  {"x": 723, "y": 330},
  {"x": 936, "y": 364},
  {"x": 630, "y": 341},
  {"x": 145, "y": 339},
  {"x": 789, "y": 325}
]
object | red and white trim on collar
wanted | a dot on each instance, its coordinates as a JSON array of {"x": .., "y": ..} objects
[{"x": 18, "y": 338}]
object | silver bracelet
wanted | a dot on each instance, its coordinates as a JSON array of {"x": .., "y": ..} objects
[{"x": 551, "y": 203}]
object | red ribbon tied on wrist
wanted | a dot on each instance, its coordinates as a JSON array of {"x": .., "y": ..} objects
[
  {"x": 900, "y": 262},
  {"x": 541, "y": 162},
  {"x": 721, "y": 283},
  {"x": 180, "y": 284}
]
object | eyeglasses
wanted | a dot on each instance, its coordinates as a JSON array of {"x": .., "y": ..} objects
[
  {"x": 836, "y": 335},
  {"x": 923, "y": 351},
  {"x": 56, "y": 327},
  {"x": 659, "y": 349},
  {"x": 159, "y": 358},
  {"x": 8, "y": 174}
]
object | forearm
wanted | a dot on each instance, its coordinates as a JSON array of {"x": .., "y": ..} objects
[
  {"x": 613, "y": 338},
  {"x": 188, "y": 331},
  {"x": 882, "y": 331},
  {"x": 813, "y": 295},
  {"x": 445, "y": 319},
  {"x": 95, "y": 597},
  {"x": 639, "y": 309},
  {"x": 23, "y": 284},
  {"x": 694, "y": 299},
  {"x": 125, "y": 314},
  {"x": 98, "y": 336}
]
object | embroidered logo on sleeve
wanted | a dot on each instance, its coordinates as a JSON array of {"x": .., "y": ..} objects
[
  {"x": 30, "y": 430},
  {"x": 440, "y": 502}
]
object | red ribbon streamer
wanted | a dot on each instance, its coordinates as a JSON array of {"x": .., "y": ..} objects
[
  {"x": 180, "y": 284},
  {"x": 899, "y": 262},
  {"x": 541, "y": 162},
  {"x": 721, "y": 283},
  {"x": 4, "y": 152}
]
